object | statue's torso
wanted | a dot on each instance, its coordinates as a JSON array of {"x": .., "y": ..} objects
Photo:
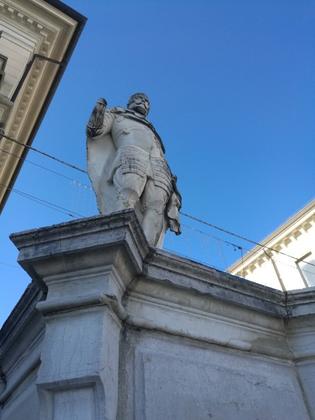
[
  {"x": 128, "y": 132},
  {"x": 140, "y": 152}
]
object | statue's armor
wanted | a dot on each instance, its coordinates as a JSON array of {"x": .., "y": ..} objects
[
  {"x": 161, "y": 174},
  {"x": 128, "y": 132},
  {"x": 134, "y": 141},
  {"x": 132, "y": 160}
]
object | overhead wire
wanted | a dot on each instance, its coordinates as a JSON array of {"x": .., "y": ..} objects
[
  {"x": 236, "y": 246},
  {"x": 294, "y": 267},
  {"x": 77, "y": 182},
  {"x": 226, "y": 231},
  {"x": 34, "y": 149},
  {"x": 218, "y": 240},
  {"x": 236, "y": 235},
  {"x": 45, "y": 203},
  {"x": 53, "y": 206},
  {"x": 212, "y": 236}
]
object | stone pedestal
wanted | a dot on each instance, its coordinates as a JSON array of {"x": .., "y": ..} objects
[
  {"x": 86, "y": 267},
  {"x": 111, "y": 329}
]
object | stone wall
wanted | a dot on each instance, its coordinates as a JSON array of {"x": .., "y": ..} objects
[{"x": 111, "y": 329}]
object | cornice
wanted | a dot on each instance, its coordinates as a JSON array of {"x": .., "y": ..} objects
[
  {"x": 11, "y": 11},
  {"x": 119, "y": 233},
  {"x": 53, "y": 33},
  {"x": 183, "y": 273},
  {"x": 279, "y": 240},
  {"x": 20, "y": 316}
]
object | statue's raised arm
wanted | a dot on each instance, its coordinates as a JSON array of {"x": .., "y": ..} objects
[
  {"x": 100, "y": 121},
  {"x": 128, "y": 169}
]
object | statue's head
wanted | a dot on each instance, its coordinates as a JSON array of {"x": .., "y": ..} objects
[{"x": 140, "y": 103}]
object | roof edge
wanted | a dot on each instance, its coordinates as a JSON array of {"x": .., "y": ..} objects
[
  {"x": 289, "y": 222},
  {"x": 76, "y": 35}
]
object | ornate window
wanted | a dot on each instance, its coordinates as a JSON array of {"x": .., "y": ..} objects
[{"x": 306, "y": 267}]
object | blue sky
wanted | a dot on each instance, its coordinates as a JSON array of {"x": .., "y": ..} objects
[{"x": 232, "y": 89}]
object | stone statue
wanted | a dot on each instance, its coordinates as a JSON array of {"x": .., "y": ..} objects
[{"x": 127, "y": 167}]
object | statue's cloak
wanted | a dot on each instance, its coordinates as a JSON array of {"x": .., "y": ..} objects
[{"x": 100, "y": 155}]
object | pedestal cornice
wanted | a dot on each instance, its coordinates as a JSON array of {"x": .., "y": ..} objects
[{"x": 43, "y": 251}]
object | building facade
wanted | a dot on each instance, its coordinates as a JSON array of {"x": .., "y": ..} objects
[
  {"x": 286, "y": 261},
  {"x": 37, "y": 38}
]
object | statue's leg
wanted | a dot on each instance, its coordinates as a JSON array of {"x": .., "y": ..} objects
[
  {"x": 153, "y": 202},
  {"x": 129, "y": 187}
]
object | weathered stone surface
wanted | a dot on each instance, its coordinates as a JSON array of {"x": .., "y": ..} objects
[
  {"x": 111, "y": 329},
  {"x": 175, "y": 378}
]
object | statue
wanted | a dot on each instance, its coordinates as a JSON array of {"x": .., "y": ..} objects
[{"x": 127, "y": 167}]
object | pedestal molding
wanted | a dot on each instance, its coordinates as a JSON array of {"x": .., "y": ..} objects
[{"x": 68, "y": 304}]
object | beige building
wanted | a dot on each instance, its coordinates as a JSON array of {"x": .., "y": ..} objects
[
  {"x": 37, "y": 38},
  {"x": 286, "y": 261}
]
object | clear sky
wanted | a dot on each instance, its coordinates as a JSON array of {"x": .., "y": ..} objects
[{"x": 232, "y": 89}]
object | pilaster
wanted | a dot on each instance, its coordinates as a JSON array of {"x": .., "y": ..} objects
[{"x": 85, "y": 266}]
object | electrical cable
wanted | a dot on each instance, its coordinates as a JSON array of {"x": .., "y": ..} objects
[
  {"x": 241, "y": 248},
  {"x": 48, "y": 204},
  {"x": 182, "y": 213},
  {"x": 196, "y": 219},
  {"x": 49, "y": 170},
  {"x": 45, "y": 203},
  {"x": 212, "y": 236},
  {"x": 34, "y": 149},
  {"x": 217, "y": 239}
]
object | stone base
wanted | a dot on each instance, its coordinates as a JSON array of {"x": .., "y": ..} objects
[{"x": 111, "y": 329}]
